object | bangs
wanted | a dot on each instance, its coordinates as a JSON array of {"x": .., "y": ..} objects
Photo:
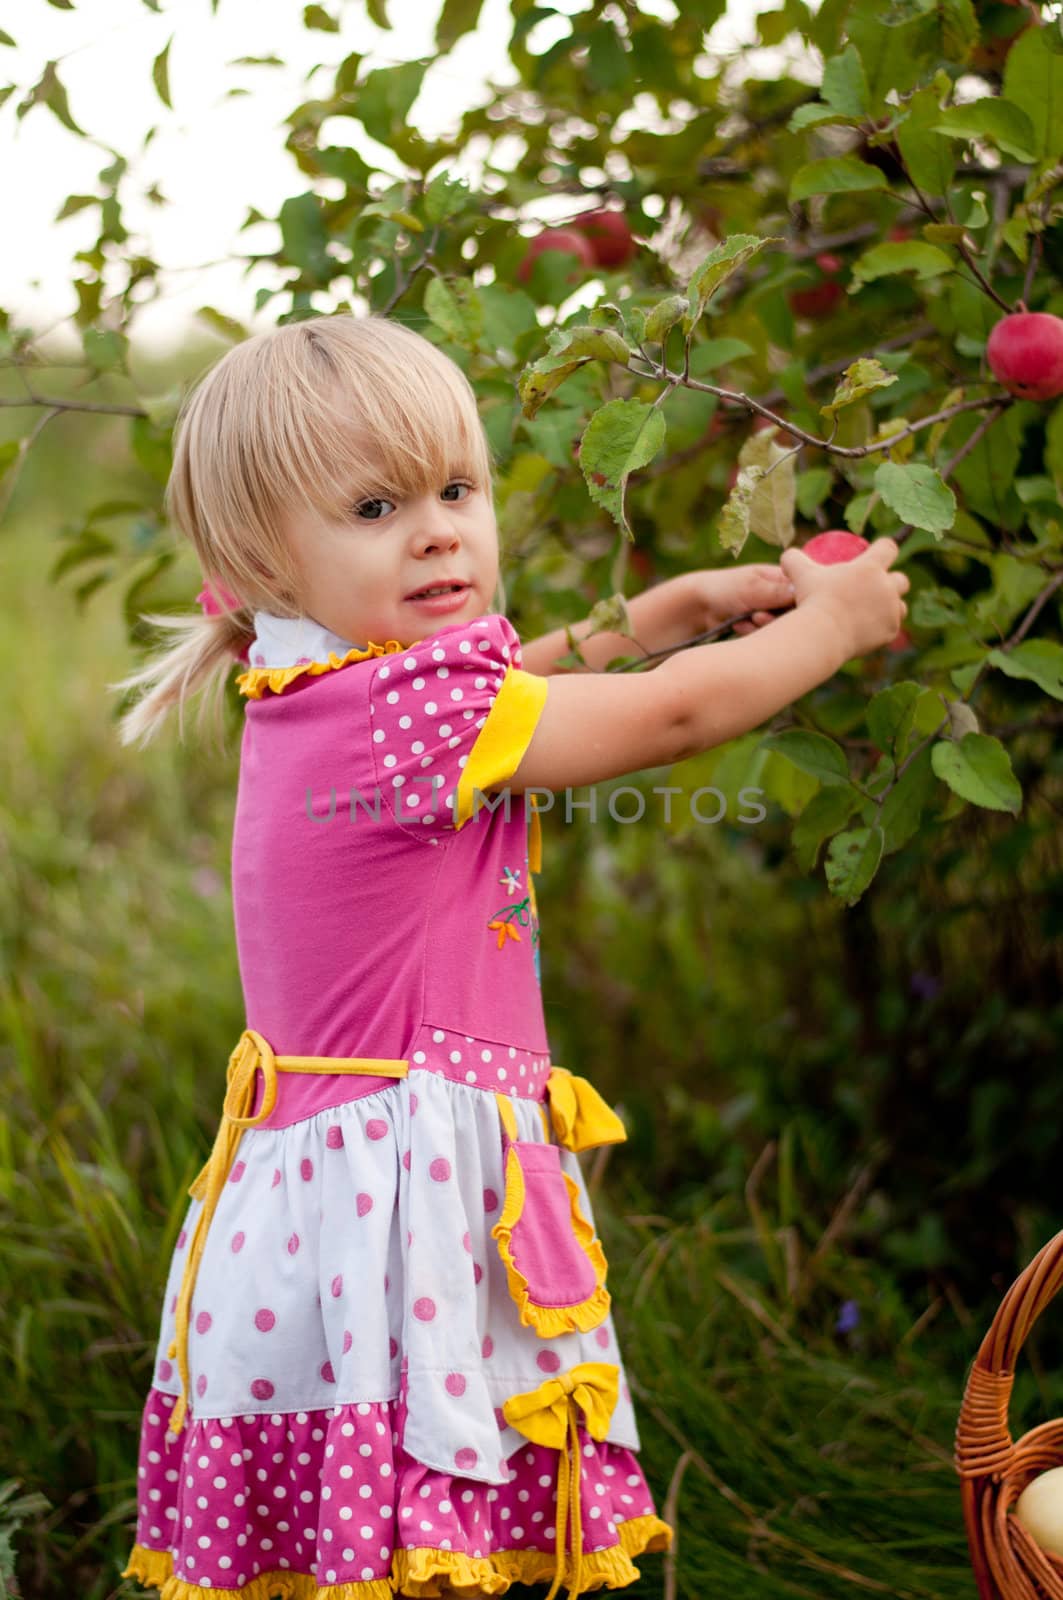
[{"x": 358, "y": 408}]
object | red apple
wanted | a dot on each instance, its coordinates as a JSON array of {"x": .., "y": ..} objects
[
  {"x": 820, "y": 298},
  {"x": 902, "y": 641},
  {"x": 837, "y": 544},
  {"x": 642, "y": 564},
  {"x": 608, "y": 234},
  {"x": 1025, "y": 353},
  {"x": 566, "y": 239},
  {"x": 898, "y": 233}
]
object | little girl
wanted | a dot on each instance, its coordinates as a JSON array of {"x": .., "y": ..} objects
[{"x": 386, "y": 1360}]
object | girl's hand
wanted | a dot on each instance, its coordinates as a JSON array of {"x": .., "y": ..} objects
[{"x": 755, "y": 586}]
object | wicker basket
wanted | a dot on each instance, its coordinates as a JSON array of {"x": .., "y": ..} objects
[{"x": 1008, "y": 1563}]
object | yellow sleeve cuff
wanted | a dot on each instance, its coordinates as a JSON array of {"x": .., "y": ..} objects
[{"x": 504, "y": 737}]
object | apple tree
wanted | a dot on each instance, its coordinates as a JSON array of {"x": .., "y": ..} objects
[{"x": 709, "y": 312}]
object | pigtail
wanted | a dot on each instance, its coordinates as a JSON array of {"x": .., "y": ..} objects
[{"x": 197, "y": 656}]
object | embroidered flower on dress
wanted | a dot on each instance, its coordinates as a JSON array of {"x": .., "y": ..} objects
[{"x": 510, "y": 878}]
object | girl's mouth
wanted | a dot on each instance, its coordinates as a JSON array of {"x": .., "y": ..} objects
[{"x": 443, "y": 598}]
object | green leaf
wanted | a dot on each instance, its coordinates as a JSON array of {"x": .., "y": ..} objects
[
  {"x": 835, "y": 175},
  {"x": 930, "y": 159},
  {"x": 664, "y": 315},
  {"x": 152, "y": 447},
  {"x": 1015, "y": 583},
  {"x": 771, "y": 504},
  {"x": 222, "y": 323},
  {"x": 10, "y": 451},
  {"x": 304, "y": 235},
  {"x": 860, "y": 378},
  {"x": 852, "y": 861},
  {"x": 717, "y": 267},
  {"x": 858, "y": 510},
  {"x": 986, "y": 475},
  {"x": 318, "y": 17},
  {"x": 1037, "y": 659},
  {"x": 845, "y": 83},
  {"x": 52, "y": 92},
  {"x": 812, "y": 752},
  {"x": 890, "y": 715},
  {"x": 458, "y": 17},
  {"x": 160, "y": 73},
  {"x": 935, "y": 607},
  {"x": 570, "y": 348},
  {"x": 903, "y": 255},
  {"x": 377, "y": 10},
  {"x": 732, "y": 527},
  {"x": 999, "y": 120},
  {"x": 454, "y": 306},
  {"x": 811, "y": 114},
  {"x": 945, "y": 29},
  {"x": 828, "y": 810},
  {"x": 812, "y": 488},
  {"x": 105, "y": 348},
  {"x": 74, "y": 203},
  {"x": 709, "y": 354},
  {"x": 1033, "y": 79},
  {"x": 917, "y": 494},
  {"x": 978, "y": 768},
  {"x": 5, "y": 37},
  {"x": 902, "y": 809},
  {"x": 444, "y": 197},
  {"x": 383, "y": 99},
  {"x": 620, "y": 437}
]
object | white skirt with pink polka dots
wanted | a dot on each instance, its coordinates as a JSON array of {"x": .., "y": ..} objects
[{"x": 352, "y": 1341}]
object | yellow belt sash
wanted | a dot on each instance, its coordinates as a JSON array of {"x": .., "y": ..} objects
[{"x": 251, "y": 1051}]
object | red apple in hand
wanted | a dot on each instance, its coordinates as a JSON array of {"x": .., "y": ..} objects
[
  {"x": 1025, "y": 353},
  {"x": 566, "y": 239},
  {"x": 608, "y": 235},
  {"x": 837, "y": 544}
]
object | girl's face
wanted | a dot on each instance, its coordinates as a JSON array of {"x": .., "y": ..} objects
[{"x": 359, "y": 570}]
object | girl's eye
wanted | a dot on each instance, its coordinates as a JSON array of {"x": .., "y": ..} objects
[
  {"x": 367, "y": 507},
  {"x": 364, "y": 504}
]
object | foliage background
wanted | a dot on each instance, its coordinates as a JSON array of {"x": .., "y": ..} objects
[{"x": 843, "y": 1108}]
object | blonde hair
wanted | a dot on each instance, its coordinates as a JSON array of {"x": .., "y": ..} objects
[{"x": 281, "y": 424}]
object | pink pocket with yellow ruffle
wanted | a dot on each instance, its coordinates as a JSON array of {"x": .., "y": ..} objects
[{"x": 555, "y": 1266}]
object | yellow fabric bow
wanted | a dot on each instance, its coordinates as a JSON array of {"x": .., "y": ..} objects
[
  {"x": 580, "y": 1116},
  {"x": 548, "y": 1415}
]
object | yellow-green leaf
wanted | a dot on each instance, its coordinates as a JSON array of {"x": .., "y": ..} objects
[{"x": 861, "y": 377}]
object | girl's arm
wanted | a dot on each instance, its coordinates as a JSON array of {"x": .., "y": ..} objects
[
  {"x": 594, "y": 726},
  {"x": 669, "y": 614}
]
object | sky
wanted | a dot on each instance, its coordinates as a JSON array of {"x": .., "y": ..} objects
[{"x": 104, "y": 50}]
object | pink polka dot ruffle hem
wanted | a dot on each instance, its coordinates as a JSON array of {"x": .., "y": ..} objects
[{"x": 327, "y": 1505}]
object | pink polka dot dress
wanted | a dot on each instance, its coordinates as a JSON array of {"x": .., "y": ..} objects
[{"x": 402, "y": 1370}]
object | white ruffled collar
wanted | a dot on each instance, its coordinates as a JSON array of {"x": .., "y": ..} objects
[{"x": 294, "y": 642}]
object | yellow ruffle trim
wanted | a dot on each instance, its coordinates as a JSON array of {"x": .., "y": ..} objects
[
  {"x": 257, "y": 680},
  {"x": 426, "y": 1572},
  {"x": 550, "y": 1321}
]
